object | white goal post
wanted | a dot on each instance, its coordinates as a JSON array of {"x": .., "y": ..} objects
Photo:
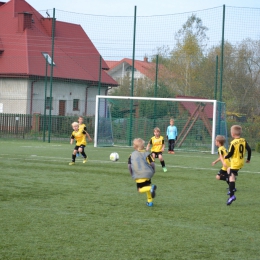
[{"x": 102, "y": 107}]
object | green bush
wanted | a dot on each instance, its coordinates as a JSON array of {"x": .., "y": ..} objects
[{"x": 257, "y": 147}]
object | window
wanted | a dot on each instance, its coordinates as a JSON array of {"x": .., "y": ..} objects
[
  {"x": 75, "y": 104},
  {"x": 46, "y": 55},
  {"x": 130, "y": 68},
  {"x": 48, "y": 99}
]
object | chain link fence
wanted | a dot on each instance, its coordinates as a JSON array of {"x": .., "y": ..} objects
[{"x": 213, "y": 53}]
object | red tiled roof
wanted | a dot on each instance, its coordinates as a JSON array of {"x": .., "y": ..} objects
[
  {"x": 75, "y": 56},
  {"x": 1, "y": 46},
  {"x": 146, "y": 68},
  {"x": 111, "y": 64}
]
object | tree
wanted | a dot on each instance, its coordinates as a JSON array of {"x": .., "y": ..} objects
[
  {"x": 187, "y": 55},
  {"x": 184, "y": 62},
  {"x": 124, "y": 88},
  {"x": 242, "y": 77},
  {"x": 192, "y": 68}
]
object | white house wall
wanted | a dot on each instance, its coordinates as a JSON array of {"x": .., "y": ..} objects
[
  {"x": 60, "y": 91},
  {"x": 24, "y": 96},
  {"x": 121, "y": 71},
  {"x": 14, "y": 95},
  {"x": 68, "y": 92}
]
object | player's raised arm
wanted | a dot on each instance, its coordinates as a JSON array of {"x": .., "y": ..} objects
[
  {"x": 89, "y": 138},
  {"x": 213, "y": 163},
  {"x": 148, "y": 147},
  {"x": 163, "y": 147},
  {"x": 248, "y": 148},
  {"x": 71, "y": 139}
]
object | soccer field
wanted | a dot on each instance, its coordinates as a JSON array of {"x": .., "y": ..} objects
[{"x": 50, "y": 210}]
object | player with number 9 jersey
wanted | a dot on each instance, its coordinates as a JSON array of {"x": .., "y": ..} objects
[{"x": 237, "y": 151}]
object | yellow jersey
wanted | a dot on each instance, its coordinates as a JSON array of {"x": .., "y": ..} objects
[
  {"x": 80, "y": 137},
  {"x": 82, "y": 127},
  {"x": 223, "y": 151},
  {"x": 237, "y": 152},
  {"x": 157, "y": 144}
]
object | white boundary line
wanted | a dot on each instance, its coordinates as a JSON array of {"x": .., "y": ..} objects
[{"x": 48, "y": 159}]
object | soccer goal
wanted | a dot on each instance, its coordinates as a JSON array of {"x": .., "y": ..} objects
[{"x": 120, "y": 119}]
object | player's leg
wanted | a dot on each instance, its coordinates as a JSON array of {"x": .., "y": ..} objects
[
  {"x": 162, "y": 162},
  {"x": 145, "y": 187},
  {"x": 223, "y": 176},
  {"x": 169, "y": 145},
  {"x": 232, "y": 183},
  {"x": 82, "y": 151},
  {"x": 78, "y": 153},
  {"x": 232, "y": 178},
  {"x": 152, "y": 190},
  {"x": 74, "y": 155},
  {"x": 173, "y": 145}
]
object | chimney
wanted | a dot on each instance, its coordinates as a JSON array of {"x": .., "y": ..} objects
[
  {"x": 24, "y": 21},
  {"x": 145, "y": 59},
  {"x": 47, "y": 24}
]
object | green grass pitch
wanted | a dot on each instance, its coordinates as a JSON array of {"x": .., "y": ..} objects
[{"x": 50, "y": 210}]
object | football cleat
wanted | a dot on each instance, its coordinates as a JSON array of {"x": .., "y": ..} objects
[
  {"x": 85, "y": 159},
  {"x": 153, "y": 188},
  {"x": 149, "y": 204},
  {"x": 72, "y": 163},
  {"x": 164, "y": 169},
  {"x": 231, "y": 199}
]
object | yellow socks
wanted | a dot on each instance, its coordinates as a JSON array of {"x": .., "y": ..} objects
[{"x": 148, "y": 192}]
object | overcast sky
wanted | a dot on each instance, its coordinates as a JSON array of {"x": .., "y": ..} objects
[{"x": 144, "y": 7}]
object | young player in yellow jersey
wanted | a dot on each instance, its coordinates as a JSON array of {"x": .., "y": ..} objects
[
  {"x": 142, "y": 168},
  {"x": 80, "y": 137},
  {"x": 236, "y": 153},
  {"x": 222, "y": 151},
  {"x": 82, "y": 126},
  {"x": 157, "y": 142}
]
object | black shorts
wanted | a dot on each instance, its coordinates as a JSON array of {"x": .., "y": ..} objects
[
  {"x": 157, "y": 154},
  {"x": 223, "y": 174},
  {"x": 143, "y": 184},
  {"x": 77, "y": 147},
  {"x": 234, "y": 171}
]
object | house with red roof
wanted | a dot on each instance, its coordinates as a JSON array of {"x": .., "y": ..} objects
[
  {"x": 26, "y": 51},
  {"x": 143, "y": 70},
  {"x": 119, "y": 69}
]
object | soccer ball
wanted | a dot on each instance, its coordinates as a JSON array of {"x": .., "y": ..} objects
[{"x": 114, "y": 157}]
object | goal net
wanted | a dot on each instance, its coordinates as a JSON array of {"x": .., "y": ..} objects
[{"x": 120, "y": 119}]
